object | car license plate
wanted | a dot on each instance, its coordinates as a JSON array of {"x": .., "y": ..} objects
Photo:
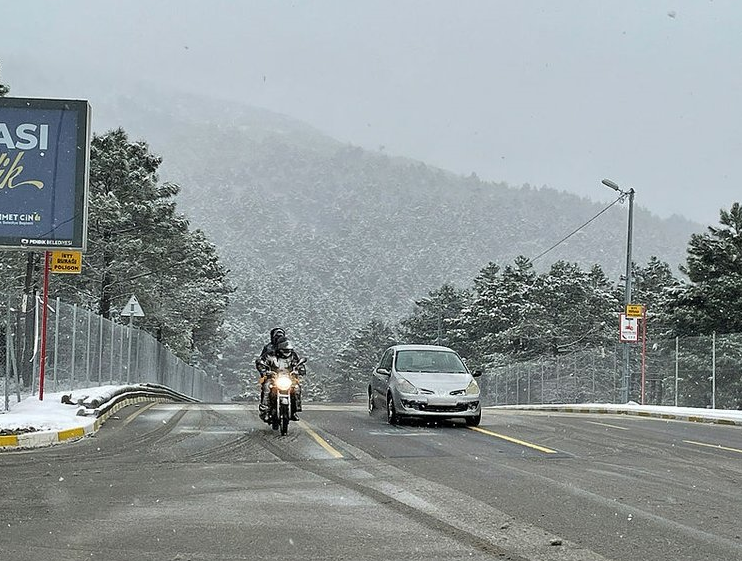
[{"x": 441, "y": 401}]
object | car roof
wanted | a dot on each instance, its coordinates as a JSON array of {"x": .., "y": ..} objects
[{"x": 421, "y": 348}]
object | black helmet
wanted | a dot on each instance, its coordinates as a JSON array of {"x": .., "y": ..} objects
[
  {"x": 277, "y": 332},
  {"x": 284, "y": 348}
]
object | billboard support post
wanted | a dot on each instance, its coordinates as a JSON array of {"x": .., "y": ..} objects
[{"x": 44, "y": 313}]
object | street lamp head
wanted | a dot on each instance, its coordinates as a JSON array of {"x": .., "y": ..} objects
[{"x": 611, "y": 184}]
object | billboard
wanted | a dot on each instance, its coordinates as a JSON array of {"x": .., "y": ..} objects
[{"x": 44, "y": 151}]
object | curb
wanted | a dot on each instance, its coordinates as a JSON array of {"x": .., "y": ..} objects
[
  {"x": 693, "y": 418},
  {"x": 48, "y": 438}
]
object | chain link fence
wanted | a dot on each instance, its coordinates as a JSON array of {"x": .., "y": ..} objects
[
  {"x": 84, "y": 349},
  {"x": 703, "y": 371}
]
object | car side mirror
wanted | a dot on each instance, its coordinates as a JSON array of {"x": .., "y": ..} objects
[
  {"x": 477, "y": 373},
  {"x": 383, "y": 371}
]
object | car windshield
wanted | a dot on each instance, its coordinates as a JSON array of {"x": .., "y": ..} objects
[{"x": 429, "y": 361}]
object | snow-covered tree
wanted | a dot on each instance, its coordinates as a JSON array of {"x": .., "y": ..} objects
[
  {"x": 712, "y": 301},
  {"x": 356, "y": 360},
  {"x": 139, "y": 244},
  {"x": 434, "y": 317}
]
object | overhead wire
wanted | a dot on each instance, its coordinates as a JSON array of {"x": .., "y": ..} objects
[{"x": 573, "y": 232}]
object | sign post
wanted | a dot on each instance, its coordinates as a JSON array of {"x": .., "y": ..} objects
[
  {"x": 644, "y": 348},
  {"x": 132, "y": 309},
  {"x": 45, "y": 300},
  {"x": 629, "y": 333}
]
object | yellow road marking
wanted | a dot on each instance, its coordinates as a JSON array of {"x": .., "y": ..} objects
[
  {"x": 137, "y": 413},
  {"x": 515, "y": 440},
  {"x": 321, "y": 441},
  {"x": 606, "y": 425},
  {"x": 716, "y": 446}
]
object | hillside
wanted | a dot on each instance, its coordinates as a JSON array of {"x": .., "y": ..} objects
[{"x": 322, "y": 236}]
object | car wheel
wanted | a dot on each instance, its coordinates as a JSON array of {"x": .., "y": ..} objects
[
  {"x": 371, "y": 403},
  {"x": 391, "y": 413},
  {"x": 473, "y": 421}
]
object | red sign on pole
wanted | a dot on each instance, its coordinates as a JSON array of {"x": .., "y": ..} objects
[{"x": 629, "y": 330}]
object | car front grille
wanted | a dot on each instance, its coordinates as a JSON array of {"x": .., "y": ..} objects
[{"x": 458, "y": 408}]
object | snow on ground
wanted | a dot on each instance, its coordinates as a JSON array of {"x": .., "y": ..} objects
[
  {"x": 51, "y": 414},
  {"x": 635, "y": 408}
]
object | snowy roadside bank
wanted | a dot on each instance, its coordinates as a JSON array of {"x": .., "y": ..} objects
[
  {"x": 692, "y": 414},
  {"x": 69, "y": 415}
]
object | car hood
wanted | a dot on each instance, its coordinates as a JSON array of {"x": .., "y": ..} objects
[{"x": 440, "y": 383}]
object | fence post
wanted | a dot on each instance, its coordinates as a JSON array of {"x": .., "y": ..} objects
[
  {"x": 505, "y": 375},
  {"x": 7, "y": 353},
  {"x": 100, "y": 350},
  {"x": 128, "y": 353},
  {"x": 677, "y": 360},
  {"x": 35, "y": 357},
  {"x": 74, "y": 344},
  {"x": 87, "y": 353},
  {"x": 593, "y": 373},
  {"x": 517, "y": 386},
  {"x": 121, "y": 352},
  {"x": 56, "y": 344},
  {"x": 136, "y": 359},
  {"x": 541, "y": 361},
  {"x": 110, "y": 353},
  {"x": 713, "y": 370}
]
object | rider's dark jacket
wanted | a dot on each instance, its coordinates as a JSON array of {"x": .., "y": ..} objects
[{"x": 262, "y": 363}]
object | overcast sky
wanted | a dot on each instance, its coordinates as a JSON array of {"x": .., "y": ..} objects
[{"x": 557, "y": 93}]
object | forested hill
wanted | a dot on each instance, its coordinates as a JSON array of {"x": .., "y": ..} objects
[{"x": 322, "y": 236}]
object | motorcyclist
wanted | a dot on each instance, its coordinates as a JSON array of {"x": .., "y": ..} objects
[{"x": 279, "y": 348}]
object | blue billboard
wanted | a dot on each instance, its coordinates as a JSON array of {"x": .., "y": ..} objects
[{"x": 44, "y": 150}]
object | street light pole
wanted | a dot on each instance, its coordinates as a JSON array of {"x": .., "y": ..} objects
[{"x": 627, "y": 288}]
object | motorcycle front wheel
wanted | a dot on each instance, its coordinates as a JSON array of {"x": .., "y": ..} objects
[{"x": 284, "y": 419}]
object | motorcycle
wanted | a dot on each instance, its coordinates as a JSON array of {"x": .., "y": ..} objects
[{"x": 284, "y": 381}]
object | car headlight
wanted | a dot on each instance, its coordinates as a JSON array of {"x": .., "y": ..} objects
[
  {"x": 405, "y": 387},
  {"x": 283, "y": 383},
  {"x": 472, "y": 388}
]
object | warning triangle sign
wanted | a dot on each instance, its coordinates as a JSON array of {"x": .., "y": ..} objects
[{"x": 132, "y": 308}]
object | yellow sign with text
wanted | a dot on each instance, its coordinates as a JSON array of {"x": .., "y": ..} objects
[
  {"x": 634, "y": 310},
  {"x": 67, "y": 261}
]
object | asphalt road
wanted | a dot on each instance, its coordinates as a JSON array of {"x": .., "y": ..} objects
[{"x": 211, "y": 482}]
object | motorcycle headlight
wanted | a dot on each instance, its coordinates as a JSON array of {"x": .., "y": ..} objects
[
  {"x": 472, "y": 388},
  {"x": 283, "y": 383},
  {"x": 406, "y": 387}
]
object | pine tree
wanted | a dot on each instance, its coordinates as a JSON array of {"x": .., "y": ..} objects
[
  {"x": 357, "y": 359},
  {"x": 654, "y": 287},
  {"x": 139, "y": 244},
  {"x": 712, "y": 301},
  {"x": 575, "y": 308},
  {"x": 434, "y": 318}
]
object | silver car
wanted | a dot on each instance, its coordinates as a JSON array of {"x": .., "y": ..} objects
[{"x": 424, "y": 381}]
